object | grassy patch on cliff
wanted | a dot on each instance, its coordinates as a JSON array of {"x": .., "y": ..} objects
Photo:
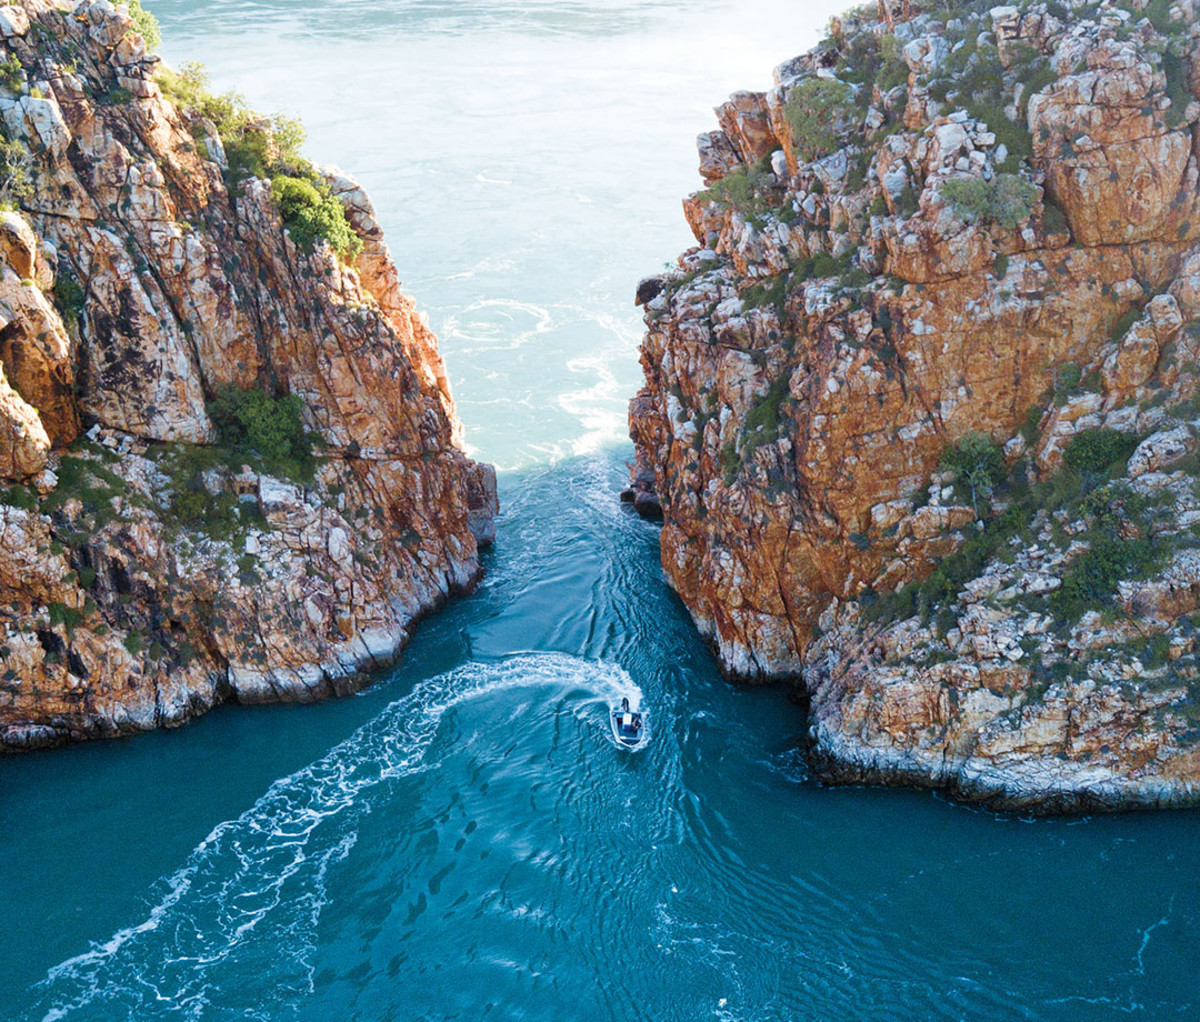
[
  {"x": 816, "y": 111},
  {"x": 1106, "y": 514},
  {"x": 750, "y": 191},
  {"x": 978, "y": 462},
  {"x": 198, "y": 501},
  {"x": 869, "y": 60},
  {"x": 760, "y": 426},
  {"x": 19, "y": 496},
  {"x": 84, "y": 476},
  {"x": 255, "y": 430},
  {"x": 974, "y": 79},
  {"x": 255, "y": 145},
  {"x": 1006, "y": 200}
]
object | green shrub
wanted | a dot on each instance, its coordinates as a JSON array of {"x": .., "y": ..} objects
[
  {"x": 255, "y": 146},
  {"x": 906, "y": 202},
  {"x": 1006, "y": 200},
  {"x": 1031, "y": 428},
  {"x": 145, "y": 24},
  {"x": 941, "y": 588},
  {"x": 12, "y": 75},
  {"x": 20, "y": 497},
  {"x": 16, "y": 171},
  {"x": 815, "y": 110},
  {"x": 265, "y": 429},
  {"x": 90, "y": 482},
  {"x": 772, "y": 293},
  {"x": 191, "y": 506},
  {"x": 69, "y": 297},
  {"x": 68, "y": 617},
  {"x": 1098, "y": 450},
  {"x": 976, "y": 78},
  {"x": 1089, "y": 582},
  {"x": 731, "y": 463},
  {"x": 1159, "y": 13},
  {"x": 1054, "y": 219},
  {"x": 1032, "y": 69},
  {"x": 116, "y": 96},
  {"x": 1124, "y": 324},
  {"x": 1176, "y": 71},
  {"x": 248, "y": 570},
  {"x": 824, "y": 265},
  {"x": 761, "y": 425},
  {"x": 894, "y": 69},
  {"x": 188, "y": 87},
  {"x": 310, "y": 212},
  {"x": 741, "y": 190},
  {"x": 1066, "y": 378}
]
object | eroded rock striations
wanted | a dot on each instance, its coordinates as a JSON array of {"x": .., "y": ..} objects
[
  {"x": 169, "y": 355},
  {"x": 920, "y": 407}
]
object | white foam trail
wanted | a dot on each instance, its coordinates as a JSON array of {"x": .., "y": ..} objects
[{"x": 253, "y": 890}]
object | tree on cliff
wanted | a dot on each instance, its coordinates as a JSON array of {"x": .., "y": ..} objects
[
  {"x": 979, "y": 462},
  {"x": 14, "y": 171}
]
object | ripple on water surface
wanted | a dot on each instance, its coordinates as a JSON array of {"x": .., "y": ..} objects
[
  {"x": 479, "y": 848},
  {"x": 236, "y": 928}
]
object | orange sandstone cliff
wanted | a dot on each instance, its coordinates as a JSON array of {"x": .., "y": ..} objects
[
  {"x": 229, "y": 465},
  {"x": 920, "y": 409}
]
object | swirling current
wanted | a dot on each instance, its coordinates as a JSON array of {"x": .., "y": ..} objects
[{"x": 465, "y": 840}]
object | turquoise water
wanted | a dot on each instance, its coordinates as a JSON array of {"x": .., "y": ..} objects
[{"x": 464, "y": 840}]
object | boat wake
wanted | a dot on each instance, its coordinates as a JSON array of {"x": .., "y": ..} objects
[{"x": 252, "y": 892}]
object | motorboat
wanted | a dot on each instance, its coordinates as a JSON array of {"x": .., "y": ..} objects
[{"x": 628, "y": 726}]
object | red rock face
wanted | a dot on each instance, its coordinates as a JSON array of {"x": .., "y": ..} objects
[
  {"x": 118, "y": 615},
  {"x": 849, "y": 317}
]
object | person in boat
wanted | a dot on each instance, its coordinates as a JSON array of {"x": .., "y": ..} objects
[{"x": 629, "y": 722}]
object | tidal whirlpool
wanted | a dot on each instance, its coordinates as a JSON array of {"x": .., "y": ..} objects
[{"x": 464, "y": 840}]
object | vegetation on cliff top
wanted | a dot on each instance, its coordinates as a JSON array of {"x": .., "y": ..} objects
[
  {"x": 146, "y": 25},
  {"x": 310, "y": 211},
  {"x": 262, "y": 147}
]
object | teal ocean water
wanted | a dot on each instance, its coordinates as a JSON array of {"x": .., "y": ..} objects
[{"x": 464, "y": 840}]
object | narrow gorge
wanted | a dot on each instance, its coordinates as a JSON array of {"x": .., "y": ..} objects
[
  {"x": 230, "y": 464},
  {"x": 922, "y": 405}
]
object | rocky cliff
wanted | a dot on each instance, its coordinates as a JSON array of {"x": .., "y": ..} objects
[
  {"x": 227, "y": 442},
  {"x": 920, "y": 407}
]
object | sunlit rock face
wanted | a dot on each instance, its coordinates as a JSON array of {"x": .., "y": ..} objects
[
  {"x": 145, "y": 573},
  {"x": 973, "y": 226}
]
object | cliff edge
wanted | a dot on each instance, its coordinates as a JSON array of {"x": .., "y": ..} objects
[
  {"x": 229, "y": 465},
  {"x": 921, "y": 406}
]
